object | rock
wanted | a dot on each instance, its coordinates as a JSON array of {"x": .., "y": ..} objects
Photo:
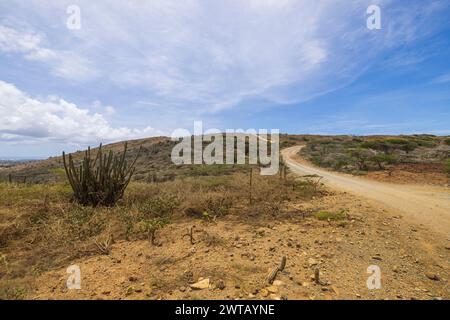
[
  {"x": 200, "y": 285},
  {"x": 432, "y": 276},
  {"x": 305, "y": 284},
  {"x": 312, "y": 262},
  {"x": 182, "y": 289},
  {"x": 264, "y": 292},
  {"x": 274, "y": 297},
  {"x": 220, "y": 285},
  {"x": 261, "y": 232},
  {"x": 335, "y": 290},
  {"x": 132, "y": 279},
  {"x": 279, "y": 283},
  {"x": 377, "y": 258},
  {"x": 272, "y": 289}
]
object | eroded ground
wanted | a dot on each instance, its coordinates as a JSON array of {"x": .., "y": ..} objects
[{"x": 236, "y": 254}]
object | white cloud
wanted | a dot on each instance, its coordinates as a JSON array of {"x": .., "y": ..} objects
[
  {"x": 29, "y": 119},
  {"x": 209, "y": 56},
  {"x": 31, "y": 45}
]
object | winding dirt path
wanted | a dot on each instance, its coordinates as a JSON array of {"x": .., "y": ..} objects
[{"x": 427, "y": 205}]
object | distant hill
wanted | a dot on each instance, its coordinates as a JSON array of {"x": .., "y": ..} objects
[{"x": 154, "y": 163}]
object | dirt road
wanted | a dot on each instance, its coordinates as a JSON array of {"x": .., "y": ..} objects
[{"x": 425, "y": 205}]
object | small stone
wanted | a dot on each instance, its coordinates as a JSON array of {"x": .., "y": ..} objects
[
  {"x": 264, "y": 292},
  {"x": 305, "y": 284},
  {"x": 274, "y": 297},
  {"x": 279, "y": 283},
  {"x": 377, "y": 258},
  {"x": 312, "y": 262},
  {"x": 132, "y": 279},
  {"x": 220, "y": 285},
  {"x": 200, "y": 285},
  {"x": 272, "y": 289},
  {"x": 335, "y": 290},
  {"x": 182, "y": 289},
  {"x": 432, "y": 276},
  {"x": 261, "y": 232}
]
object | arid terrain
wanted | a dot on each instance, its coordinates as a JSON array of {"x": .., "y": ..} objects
[{"x": 223, "y": 230}]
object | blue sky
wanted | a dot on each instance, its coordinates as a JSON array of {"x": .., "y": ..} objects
[{"x": 135, "y": 70}]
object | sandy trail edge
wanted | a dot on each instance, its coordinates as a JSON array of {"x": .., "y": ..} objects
[{"x": 426, "y": 205}]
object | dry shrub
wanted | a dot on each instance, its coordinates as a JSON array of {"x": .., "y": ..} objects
[
  {"x": 210, "y": 205},
  {"x": 41, "y": 229}
]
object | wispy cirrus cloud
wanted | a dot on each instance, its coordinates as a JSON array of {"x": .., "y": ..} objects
[
  {"x": 198, "y": 58},
  {"x": 32, "y": 46},
  {"x": 213, "y": 55}
]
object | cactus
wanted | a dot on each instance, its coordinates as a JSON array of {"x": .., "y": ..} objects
[{"x": 101, "y": 181}]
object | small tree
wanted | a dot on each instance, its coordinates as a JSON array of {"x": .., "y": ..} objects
[
  {"x": 360, "y": 157},
  {"x": 101, "y": 181},
  {"x": 381, "y": 159},
  {"x": 447, "y": 141},
  {"x": 409, "y": 146}
]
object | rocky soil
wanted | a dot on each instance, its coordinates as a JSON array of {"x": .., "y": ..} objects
[{"x": 232, "y": 258}]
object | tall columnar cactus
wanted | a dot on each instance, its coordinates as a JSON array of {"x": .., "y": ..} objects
[{"x": 101, "y": 181}]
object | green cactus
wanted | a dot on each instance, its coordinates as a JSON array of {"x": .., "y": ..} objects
[{"x": 101, "y": 181}]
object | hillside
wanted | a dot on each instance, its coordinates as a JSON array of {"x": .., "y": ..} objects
[
  {"x": 211, "y": 232},
  {"x": 400, "y": 159},
  {"x": 421, "y": 157}
]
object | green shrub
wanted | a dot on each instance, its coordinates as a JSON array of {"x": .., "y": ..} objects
[
  {"x": 382, "y": 159},
  {"x": 447, "y": 167},
  {"x": 150, "y": 226},
  {"x": 159, "y": 206},
  {"x": 326, "y": 215},
  {"x": 447, "y": 141}
]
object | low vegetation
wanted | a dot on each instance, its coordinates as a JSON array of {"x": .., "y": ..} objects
[
  {"x": 41, "y": 228},
  {"x": 362, "y": 154},
  {"x": 102, "y": 180}
]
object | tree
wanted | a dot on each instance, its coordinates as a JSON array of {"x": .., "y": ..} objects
[
  {"x": 409, "y": 146},
  {"x": 360, "y": 157},
  {"x": 382, "y": 158}
]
